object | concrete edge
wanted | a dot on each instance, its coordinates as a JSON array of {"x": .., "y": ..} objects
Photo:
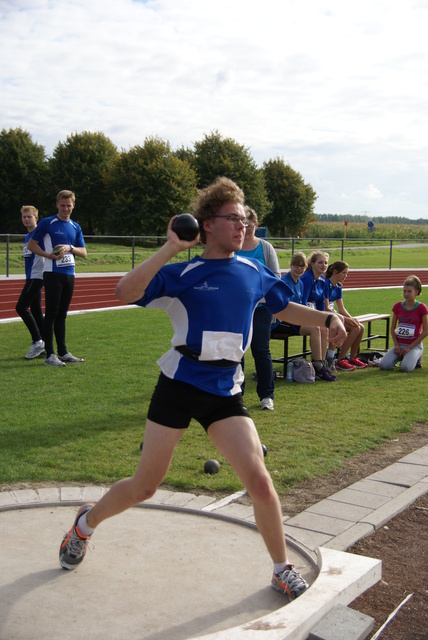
[{"x": 343, "y": 577}]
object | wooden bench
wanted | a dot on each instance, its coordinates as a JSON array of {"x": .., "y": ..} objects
[{"x": 366, "y": 318}]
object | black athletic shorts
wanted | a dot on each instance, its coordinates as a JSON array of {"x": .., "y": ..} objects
[
  {"x": 175, "y": 403},
  {"x": 285, "y": 328}
]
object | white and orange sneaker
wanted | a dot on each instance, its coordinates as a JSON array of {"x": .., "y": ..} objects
[
  {"x": 289, "y": 581},
  {"x": 74, "y": 544}
]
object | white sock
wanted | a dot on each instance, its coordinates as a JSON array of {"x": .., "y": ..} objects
[
  {"x": 330, "y": 353},
  {"x": 84, "y": 528},
  {"x": 278, "y": 567}
]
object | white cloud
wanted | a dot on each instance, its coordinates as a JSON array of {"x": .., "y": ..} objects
[{"x": 338, "y": 89}]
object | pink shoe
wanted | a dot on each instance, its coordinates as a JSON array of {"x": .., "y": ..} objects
[{"x": 343, "y": 365}]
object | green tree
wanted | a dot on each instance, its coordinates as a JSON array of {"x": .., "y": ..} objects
[
  {"x": 292, "y": 199},
  {"x": 215, "y": 156},
  {"x": 80, "y": 164},
  {"x": 148, "y": 185},
  {"x": 23, "y": 172}
]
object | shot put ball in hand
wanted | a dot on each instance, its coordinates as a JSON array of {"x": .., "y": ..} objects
[{"x": 186, "y": 226}]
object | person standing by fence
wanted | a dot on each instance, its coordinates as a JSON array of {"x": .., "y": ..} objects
[
  {"x": 29, "y": 305},
  {"x": 62, "y": 239}
]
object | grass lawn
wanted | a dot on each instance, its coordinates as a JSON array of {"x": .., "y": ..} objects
[
  {"x": 84, "y": 423},
  {"x": 118, "y": 258}
]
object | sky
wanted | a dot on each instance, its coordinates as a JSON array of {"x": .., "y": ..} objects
[{"x": 337, "y": 89}]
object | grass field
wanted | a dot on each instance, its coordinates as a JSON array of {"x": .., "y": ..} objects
[
  {"x": 104, "y": 257},
  {"x": 84, "y": 423}
]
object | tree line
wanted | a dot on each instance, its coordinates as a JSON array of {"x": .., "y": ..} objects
[
  {"x": 136, "y": 192},
  {"x": 340, "y": 217}
]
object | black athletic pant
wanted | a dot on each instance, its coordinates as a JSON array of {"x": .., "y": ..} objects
[
  {"x": 58, "y": 293},
  {"x": 29, "y": 307}
]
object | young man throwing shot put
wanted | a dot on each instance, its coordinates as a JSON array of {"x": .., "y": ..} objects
[{"x": 210, "y": 301}]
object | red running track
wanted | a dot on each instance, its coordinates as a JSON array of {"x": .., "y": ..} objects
[{"x": 97, "y": 291}]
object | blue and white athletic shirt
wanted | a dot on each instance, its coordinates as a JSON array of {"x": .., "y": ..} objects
[
  {"x": 333, "y": 292},
  {"x": 33, "y": 262},
  {"x": 313, "y": 290},
  {"x": 211, "y": 304},
  {"x": 53, "y": 231},
  {"x": 296, "y": 288}
]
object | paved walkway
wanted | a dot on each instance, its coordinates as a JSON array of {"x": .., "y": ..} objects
[{"x": 185, "y": 566}]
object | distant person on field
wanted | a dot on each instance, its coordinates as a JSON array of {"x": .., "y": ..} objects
[
  {"x": 261, "y": 250},
  {"x": 409, "y": 327},
  {"x": 298, "y": 265},
  {"x": 29, "y": 305},
  {"x": 336, "y": 276},
  {"x": 62, "y": 240}
]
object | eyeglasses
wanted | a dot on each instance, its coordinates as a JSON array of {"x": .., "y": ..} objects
[
  {"x": 298, "y": 266},
  {"x": 234, "y": 219}
]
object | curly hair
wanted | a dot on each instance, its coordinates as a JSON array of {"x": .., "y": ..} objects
[{"x": 210, "y": 200}]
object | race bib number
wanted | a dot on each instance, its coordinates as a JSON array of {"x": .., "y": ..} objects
[
  {"x": 66, "y": 260},
  {"x": 405, "y": 331}
]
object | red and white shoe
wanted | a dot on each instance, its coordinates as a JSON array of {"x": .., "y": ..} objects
[
  {"x": 357, "y": 363},
  {"x": 343, "y": 365}
]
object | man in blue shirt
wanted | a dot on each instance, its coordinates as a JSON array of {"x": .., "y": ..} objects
[
  {"x": 62, "y": 240},
  {"x": 210, "y": 301}
]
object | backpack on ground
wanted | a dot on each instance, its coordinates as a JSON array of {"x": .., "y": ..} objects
[{"x": 303, "y": 371}]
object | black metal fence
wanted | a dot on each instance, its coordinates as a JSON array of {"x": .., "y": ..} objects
[{"x": 131, "y": 248}]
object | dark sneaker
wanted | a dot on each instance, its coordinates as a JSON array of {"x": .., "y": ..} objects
[
  {"x": 290, "y": 582},
  {"x": 74, "y": 545},
  {"x": 330, "y": 366},
  {"x": 68, "y": 357},
  {"x": 324, "y": 374},
  {"x": 357, "y": 363}
]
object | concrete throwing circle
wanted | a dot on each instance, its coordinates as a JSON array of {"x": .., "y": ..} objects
[{"x": 152, "y": 574}]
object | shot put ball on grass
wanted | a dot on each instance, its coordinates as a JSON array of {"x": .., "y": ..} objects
[
  {"x": 211, "y": 466},
  {"x": 186, "y": 226}
]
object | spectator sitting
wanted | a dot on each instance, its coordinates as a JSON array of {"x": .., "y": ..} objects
[
  {"x": 336, "y": 275},
  {"x": 297, "y": 266},
  {"x": 313, "y": 281}
]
